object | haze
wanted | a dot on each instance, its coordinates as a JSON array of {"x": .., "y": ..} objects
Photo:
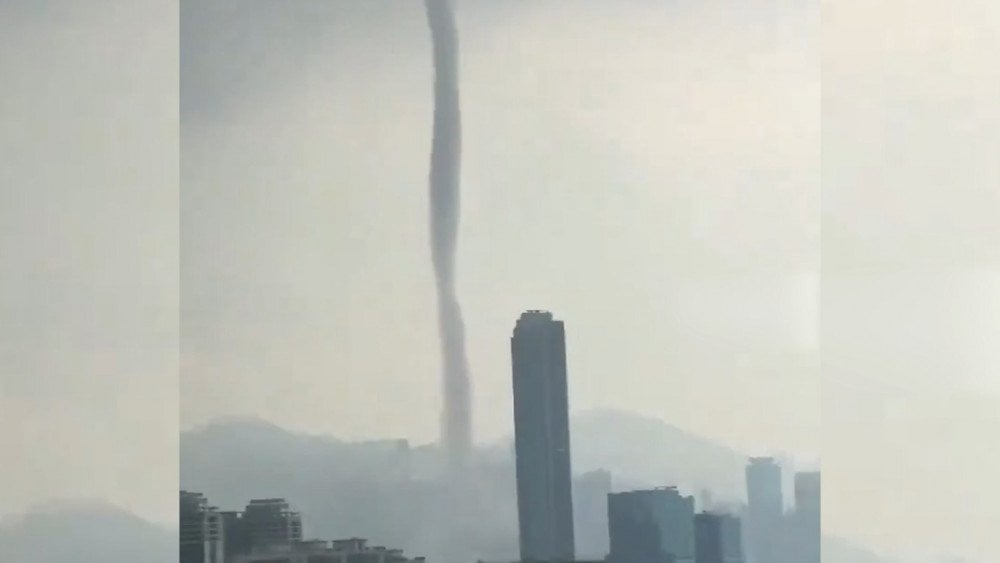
[
  {"x": 88, "y": 246},
  {"x": 617, "y": 179},
  {"x": 649, "y": 171},
  {"x": 911, "y": 276}
]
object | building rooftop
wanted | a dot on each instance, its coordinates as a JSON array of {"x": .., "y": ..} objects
[{"x": 536, "y": 314}]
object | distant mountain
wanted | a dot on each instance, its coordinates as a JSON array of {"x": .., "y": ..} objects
[
  {"x": 233, "y": 457},
  {"x": 650, "y": 452},
  {"x": 639, "y": 451},
  {"x": 387, "y": 491},
  {"x": 396, "y": 495},
  {"x": 84, "y": 532}
]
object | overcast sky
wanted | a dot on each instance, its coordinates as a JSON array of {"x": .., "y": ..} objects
[
  {"x": 88, "y": 246},
  {"x": 911, "y": 274},
  {"x": 649, "y": 171}
]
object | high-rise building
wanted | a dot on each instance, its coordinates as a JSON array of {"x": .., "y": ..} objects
[
  {"x": 651, "y": 526},
  {"x": 805, "y": 521},
  {"x": 717, "y": 538},
  {"x": 541, "y": 438},
  {"x": 764, "y": 486},
  {"x": 202, "y": 535},
  {"x": 765, "y": 511},
  {"x": 590, "y": 513},
  {"x": 807, "y": 492}
]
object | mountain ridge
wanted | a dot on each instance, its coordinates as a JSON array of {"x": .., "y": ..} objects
[
  {"x": 373, "y": 488},
  {"x": 83, "y": 531}
]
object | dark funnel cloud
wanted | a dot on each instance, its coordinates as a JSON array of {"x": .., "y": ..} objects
[{"x": 456, "y": 425}]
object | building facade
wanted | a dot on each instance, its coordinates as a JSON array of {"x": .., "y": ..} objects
[
  {"x": 541, "y": 438},
  {"x": 201, "y": 531},
  {"x": 717, "y": 538},
  {"x": 353, "y": 550},
  {"x": 590, "y": 513},
  {"x": 765, "y": 511},
  {"x": 804, "y": 523},
  {"x": 208, "y": 535},
  {"x": 651, "y": 526},
  {"x": 267, "y": 531},
  {"x": 271, "y": 522},
  {"x": 807, "y": 492}
]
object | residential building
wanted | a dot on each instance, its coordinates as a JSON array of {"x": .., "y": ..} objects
[
  {"x": 201, "y": 531},
  {"x": 353, "y": 550}
]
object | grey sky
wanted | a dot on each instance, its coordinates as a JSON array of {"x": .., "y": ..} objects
[
  {"x": 648, "y": 173},
  {"x": 911, "y": 275},
  {"x": 89, "y": 240}
]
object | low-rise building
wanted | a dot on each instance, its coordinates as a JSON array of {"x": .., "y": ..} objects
[{"x": 352, "y": 550}]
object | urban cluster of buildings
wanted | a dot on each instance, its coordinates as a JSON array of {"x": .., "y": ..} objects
[
  {"x": 662, "y": 525},
  {"x": 267, "y": 531},
  {"x": 659, "y": 525},
  {"x": 774, "y": 534},
  {"x": 647, "y": 526}
]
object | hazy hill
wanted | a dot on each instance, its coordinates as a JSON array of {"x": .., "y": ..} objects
[
  {"x": 84, "y": 532},
  {"x": 234, "y": 457},
  {"x": 393, "y": 493},
  {"x": 652, "y": 452}
]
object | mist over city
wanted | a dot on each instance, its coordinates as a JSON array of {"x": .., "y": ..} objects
[
  {"x": 518, "y": 216},
  {"x": 476, "y": 281}
]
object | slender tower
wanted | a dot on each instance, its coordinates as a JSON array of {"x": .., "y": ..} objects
[{"x": 541, "y": 438}]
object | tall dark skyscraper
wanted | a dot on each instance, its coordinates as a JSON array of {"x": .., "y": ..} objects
[
  {"x": 765, "y": 510},
  {"x": 541, "y": 438}
]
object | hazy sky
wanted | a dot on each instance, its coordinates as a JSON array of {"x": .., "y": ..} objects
[
  {"x": 649, "y": 173},
  {"x": 911, "y": 274},
  {"x": 88, "y": 246}
]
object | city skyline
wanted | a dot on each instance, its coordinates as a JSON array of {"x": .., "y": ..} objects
[
  {"x": 643, "y": 526},
  {"x": 657, "y": 525},
  {"x": 772, "y": 225}
]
